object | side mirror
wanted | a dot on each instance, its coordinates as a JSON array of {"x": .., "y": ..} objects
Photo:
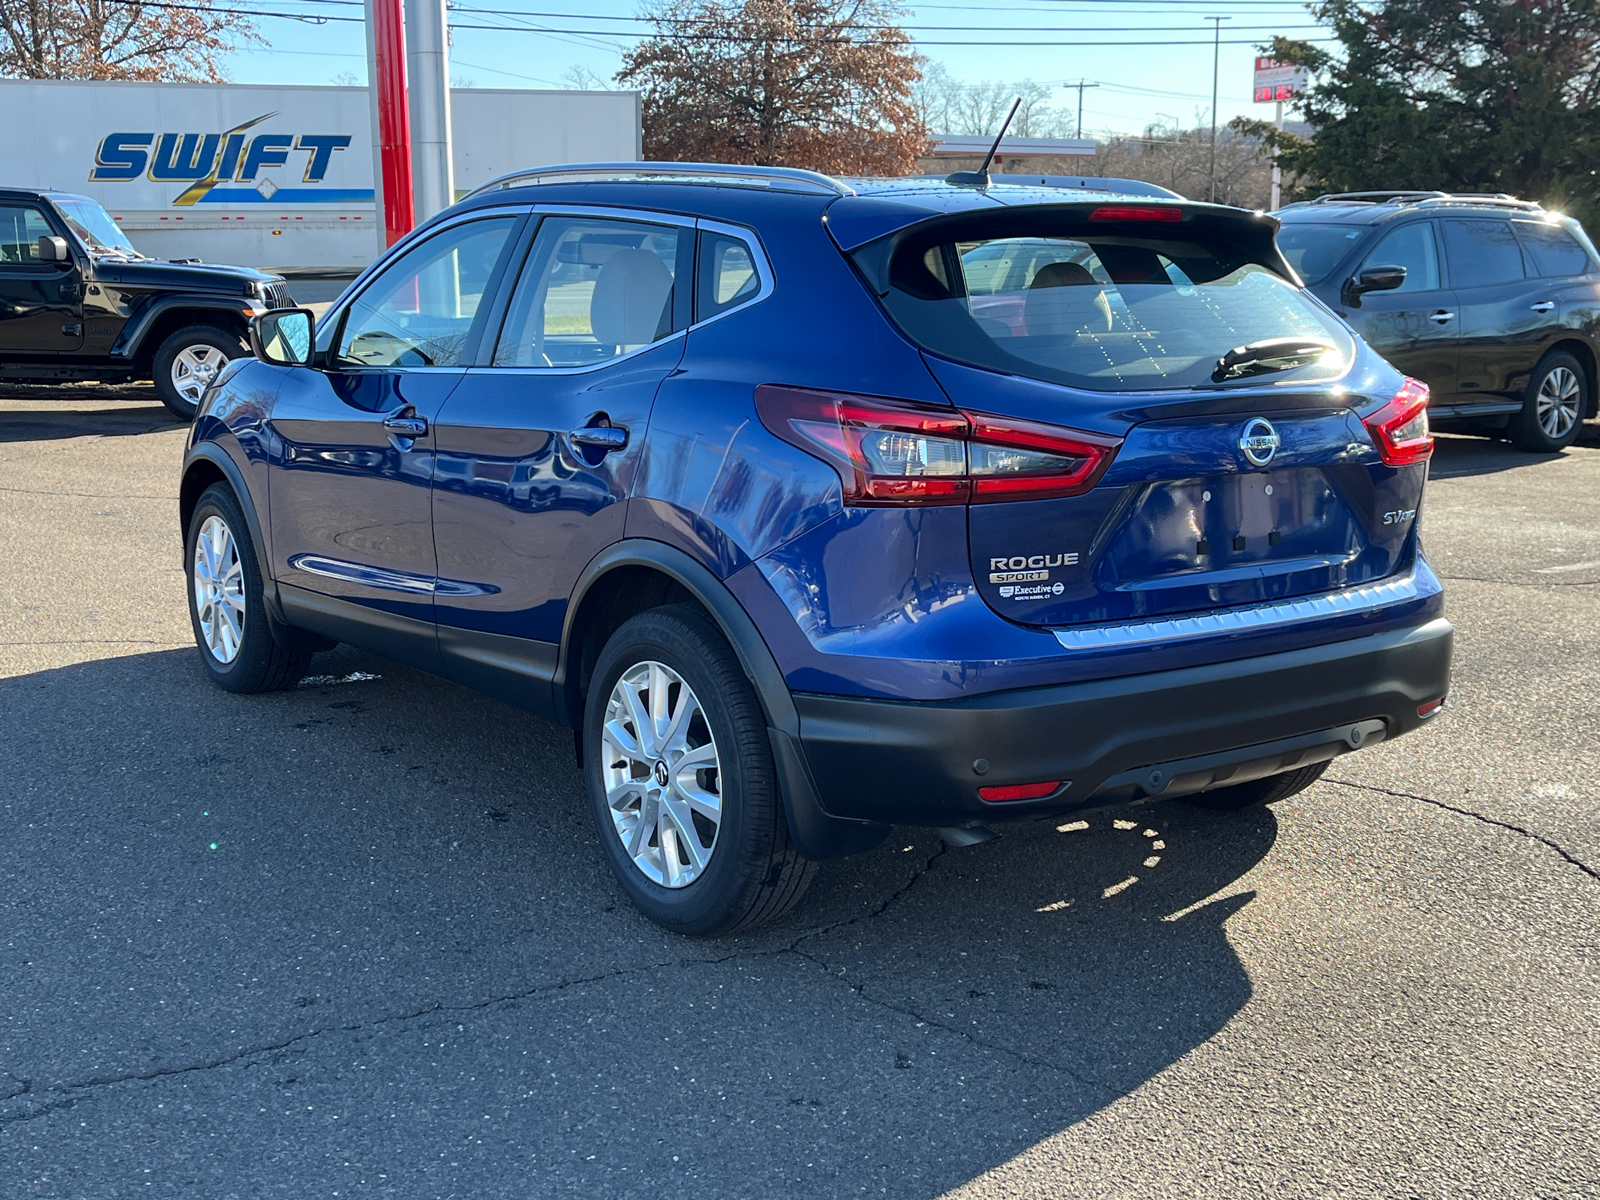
[
  {"x": 1373, "y": 279},
  {"x": 53, "y": 249},
  {"x": 283, "y": 337}
]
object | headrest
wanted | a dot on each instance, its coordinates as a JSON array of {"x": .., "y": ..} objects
[
  {"x": 1062, "y": 274},
  {"x": 1064, "y": 299},
  {"x": 630, "y": 298}
]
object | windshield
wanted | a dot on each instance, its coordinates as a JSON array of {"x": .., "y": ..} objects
[
  {"x": 1315, "y": 250},
  {"x": 95, "y": 228},
  {"x": 1108, "y": 313}
]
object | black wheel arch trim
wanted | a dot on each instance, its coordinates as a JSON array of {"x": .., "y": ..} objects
[
  {"x": 817, "y": 833},
  {"x": 131, "y": 340}
]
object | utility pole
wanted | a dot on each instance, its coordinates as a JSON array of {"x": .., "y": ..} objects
[
  {"x": 1080, "y": 85},
  {"x": 1216, "y": 60},
  {"x": 1277, "y": 171}
]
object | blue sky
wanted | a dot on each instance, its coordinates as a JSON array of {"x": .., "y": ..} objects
[{"x": 1141, "y": 81}]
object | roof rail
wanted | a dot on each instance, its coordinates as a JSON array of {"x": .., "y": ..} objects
[
  {"x": 783, "y": 179},
  {"x": 1497, "y": 199},
  {"x": 1376, "y": 197}
]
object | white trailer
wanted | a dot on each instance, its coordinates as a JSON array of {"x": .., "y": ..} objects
[{"x": 273, "y": 177}]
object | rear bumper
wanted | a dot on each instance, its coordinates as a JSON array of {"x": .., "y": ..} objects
[{"x": 1119, "y": 740}]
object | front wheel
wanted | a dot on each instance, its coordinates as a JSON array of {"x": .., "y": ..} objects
[
  {"x": 226, "y": 606},
  {"x": 681, "y": 779},
  {"x": 1552, "y": 414},
  {"x": 187, "y": 362}
]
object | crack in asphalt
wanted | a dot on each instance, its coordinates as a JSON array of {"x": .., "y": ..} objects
[
  {"x": 85, "y": 495},
  {"x": 1477, "y": 816},
  {"x": 256, "y": 1051},
  {"x": 1527, "y": 583}
]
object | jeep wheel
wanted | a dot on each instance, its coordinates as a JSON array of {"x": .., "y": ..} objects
[
  {"x": 226, "y": 607},
  {"x": 187, "y": 362},
  {"x": 1267, "y": 790},
  {"x": 1552, "y": 415},
  {"x": 681, "y": 779}
]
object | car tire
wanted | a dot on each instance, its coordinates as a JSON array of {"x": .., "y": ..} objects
[
  {"x": 1267, "y": 790},
  {"x": 226, "y": 607},
  {"x": 701, "y": 848},
  {"x": 187, "y": 362},
  {"x": 1552, "y": 414}
]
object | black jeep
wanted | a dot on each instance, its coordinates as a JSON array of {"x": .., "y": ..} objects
[{"x": 78, "y": 302}]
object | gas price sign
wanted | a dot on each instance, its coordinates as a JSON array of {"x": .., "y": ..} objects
[{"x": 1277, "y": 81}]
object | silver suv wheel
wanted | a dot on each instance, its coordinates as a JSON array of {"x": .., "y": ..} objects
[
  {"x": 1559, "y": 397},
  {"x": 219, "y": 589},
  {"x": 662, "y": 775}
]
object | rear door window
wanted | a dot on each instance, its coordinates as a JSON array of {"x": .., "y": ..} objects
[
  {"x": 1552, "y": 249},
  {"x": 1106, "y": 312},
  {"x": 1482, "y": 252},
  {"x": 592, "y": 290},
  {"x": 1412, "y": 247}
]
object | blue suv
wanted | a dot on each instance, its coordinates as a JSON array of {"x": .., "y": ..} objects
[{"x": 816, "y": 506}]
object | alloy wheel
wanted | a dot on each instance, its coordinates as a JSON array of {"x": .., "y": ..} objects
[
  {"x": 219, "y": 589},
  {"x": 662, "y": 775},
  {"x": 1559, "y": 397},
  {"x": 193, "y": 369}
]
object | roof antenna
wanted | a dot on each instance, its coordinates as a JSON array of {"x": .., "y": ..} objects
[{"x": 980, "y": 177}]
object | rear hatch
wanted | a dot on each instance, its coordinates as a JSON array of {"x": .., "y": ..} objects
[{"x": 1231, "y": 410}]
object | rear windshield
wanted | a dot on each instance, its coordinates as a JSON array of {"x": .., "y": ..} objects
[
  {"x": 1105, "y": 312},
  {"x": 1315, "y": 250}
]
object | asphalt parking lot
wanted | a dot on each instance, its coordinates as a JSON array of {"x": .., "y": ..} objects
[{"x": 356, "y": 939}]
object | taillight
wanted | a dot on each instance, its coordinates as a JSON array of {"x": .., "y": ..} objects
[
  {"x": 1136, "y": 212},
  {"x": 1400, "y": 428},
  {"x": 903, "y": 452}
]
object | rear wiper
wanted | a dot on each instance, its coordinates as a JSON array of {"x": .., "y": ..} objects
[{"x": 1268, "y": 355}]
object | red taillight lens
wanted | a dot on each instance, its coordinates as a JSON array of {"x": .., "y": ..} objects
[
  {"x": 1018, "y": 791},
  {"x": 1136, "y": 212},
  {"x": 904, "y": 452},
  {"x": 1400, "y": 428},
  {"x": 1020, "y": 460}
]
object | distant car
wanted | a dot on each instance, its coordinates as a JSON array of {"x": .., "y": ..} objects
[
  {"x": 1493, "y": 302},
  {"x": 78, "y": 302},
  {"x": 728, "y": 468}
]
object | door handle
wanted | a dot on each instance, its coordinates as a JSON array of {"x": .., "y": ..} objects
[
  {"x": 1440, "y": 317},
  {"x": 407, "y": 427},
  {"x": 600, "y": 437},
  {"x": 1543, "y": 306}
]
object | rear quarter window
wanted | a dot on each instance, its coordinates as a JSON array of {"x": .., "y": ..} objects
[{"x": 1553, "y": 250}]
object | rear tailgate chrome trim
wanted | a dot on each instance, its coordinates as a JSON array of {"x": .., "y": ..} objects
[{"x": 1242, "y": 620}]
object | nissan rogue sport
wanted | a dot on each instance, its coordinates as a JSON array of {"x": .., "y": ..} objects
[{"x": 817, "y": 506}]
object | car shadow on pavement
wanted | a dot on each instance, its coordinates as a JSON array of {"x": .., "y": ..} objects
[
  {"x": 46, "y": 422},
  {"x": 244, "y": 896},
  {"x": 1457, "y": 455}
]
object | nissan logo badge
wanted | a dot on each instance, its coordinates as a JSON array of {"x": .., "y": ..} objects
[{"x": 1259, "y": 441}]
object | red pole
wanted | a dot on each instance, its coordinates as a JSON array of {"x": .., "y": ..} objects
[{"x": 394, "y": 122}]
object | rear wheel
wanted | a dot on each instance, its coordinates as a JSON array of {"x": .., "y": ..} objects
[
  {"x": 1552, "y": 415},
  {"x": 1267, "y": 790},
  {"x": 226, "y": 607},
  {"x": 187, "y": 362},
  {"x": 681, "y": 779}
]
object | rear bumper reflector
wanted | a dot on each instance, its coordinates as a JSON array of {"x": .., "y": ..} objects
[{"x": 1242, "y": 620}]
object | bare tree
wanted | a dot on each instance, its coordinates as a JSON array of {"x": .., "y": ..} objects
[
  {"x": 825, "y": 84},
  {"x": 1180, "y": 159},
  {"x": 580, "y": 78},
  {"x": 118, "y": 39}
]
